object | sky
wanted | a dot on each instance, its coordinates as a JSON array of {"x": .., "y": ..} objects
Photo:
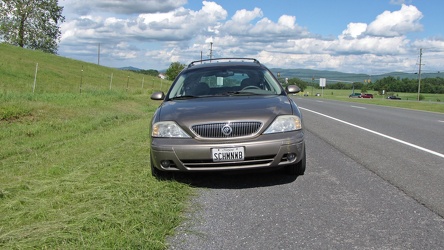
[{"x": 353, "y": 36}]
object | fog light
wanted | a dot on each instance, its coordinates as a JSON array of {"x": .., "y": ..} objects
[
  {"x": 165, "y": 163},
  {"x": 291, "y": 157}
]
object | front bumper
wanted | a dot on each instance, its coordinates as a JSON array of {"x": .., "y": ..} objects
[{"x": 265, "y": 151}]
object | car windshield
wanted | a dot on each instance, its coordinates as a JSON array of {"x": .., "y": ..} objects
[{"x": 223, "y": 81}]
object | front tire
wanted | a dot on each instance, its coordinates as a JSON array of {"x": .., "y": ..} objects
[
  {"x": 159, "y": 174},
  {"x": 297, "y": 168}
]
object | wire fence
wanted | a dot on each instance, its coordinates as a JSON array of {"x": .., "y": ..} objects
[{"x": 49, "y": 79}]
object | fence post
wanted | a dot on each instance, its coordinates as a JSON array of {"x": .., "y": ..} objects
[
  {"x": 35, "y": 77},
  {"x": 127, "y": 83},
  {"x": 81, "y": 79}
]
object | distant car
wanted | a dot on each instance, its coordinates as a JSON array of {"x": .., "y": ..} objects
[
  {"x": 317, "y": 94},
  {"x": 392, "y": 97},
  {"x": 355, "y": 95},
  {"x": 366, "y": 96},
  {"x": 227, "y": 114}
]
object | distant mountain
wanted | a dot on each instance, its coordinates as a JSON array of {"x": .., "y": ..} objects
[
  {"x": 137, "y": 69},
  {"x": 130, "y": 68},
  {"x": 335, "y": 76}
]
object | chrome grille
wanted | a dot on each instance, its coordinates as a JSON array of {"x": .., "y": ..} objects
[{"x": 215, "y": 130}]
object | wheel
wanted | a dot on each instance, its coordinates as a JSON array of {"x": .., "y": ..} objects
[{"x": 297, "y": 168}]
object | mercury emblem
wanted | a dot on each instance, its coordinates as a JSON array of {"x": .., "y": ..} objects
[{"x": 226, "y": 130}]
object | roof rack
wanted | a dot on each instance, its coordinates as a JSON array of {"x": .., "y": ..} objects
[{"x": 229, "y": 59}]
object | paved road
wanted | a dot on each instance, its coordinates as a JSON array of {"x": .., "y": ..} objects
[
  {"x": 404, "y": 147},
  {"x": 358, "y": 192}
]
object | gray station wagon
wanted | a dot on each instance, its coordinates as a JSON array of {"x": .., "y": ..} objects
[{"x": 226, "y": 114}]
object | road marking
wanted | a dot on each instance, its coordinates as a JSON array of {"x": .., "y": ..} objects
[
  {"x": 440, "y": 121},
  {"x": 358, "y": 107},
  {"x": 377, "y": 133}
]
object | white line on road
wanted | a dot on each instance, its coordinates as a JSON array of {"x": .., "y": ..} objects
[
  {"x": 377, "y": 133},
  {"x": 358, "y": 107}
]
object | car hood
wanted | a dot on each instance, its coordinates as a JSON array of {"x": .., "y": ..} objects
[{"x": 222, "y": 109}]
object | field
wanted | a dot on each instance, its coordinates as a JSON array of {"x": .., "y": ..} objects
[
  {"x": 431, "y": 102},
  {"x": 74, "y": 155}
]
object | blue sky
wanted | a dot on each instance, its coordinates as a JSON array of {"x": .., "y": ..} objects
[
  {"x": 365, "y": 36},
  {"x": 331, "y": 17}
]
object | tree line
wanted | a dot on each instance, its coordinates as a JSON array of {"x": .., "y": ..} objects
[
  {"x": 387, "y": 84},
  {"x": 392, "y": 84}
]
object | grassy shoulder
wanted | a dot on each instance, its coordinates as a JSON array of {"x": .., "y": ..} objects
[
  {"x": 74, "y": 173},
  {"x": 431, "y": 102}
]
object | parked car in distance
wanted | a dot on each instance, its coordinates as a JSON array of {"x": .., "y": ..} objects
[
  {"x": 355, "y": 95},
  {"x": 366, "y": 96},
  {"x": 392, "y": 97},
  {"x": 226, "y": 114},
  {"x": 317, "y": 94}
]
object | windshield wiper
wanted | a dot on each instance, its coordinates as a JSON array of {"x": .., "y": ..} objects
[
  {"x": 231, "y": 93},
  {"x": 181, "y": 97}
]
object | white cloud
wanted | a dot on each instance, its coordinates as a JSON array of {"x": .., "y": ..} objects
[
  {"x": 83, "y": 7},
  {"x": 245, "y": 16},
  {"x": 396, "y": 23},
  {"x": 354, "y": 30},
  {"x": 178, "y": 25},
  {"x": 153, "y": 38}
]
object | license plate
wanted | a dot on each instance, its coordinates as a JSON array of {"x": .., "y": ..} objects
[{"x": 228, "y": 154}]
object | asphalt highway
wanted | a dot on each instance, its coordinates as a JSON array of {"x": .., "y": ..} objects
[{"x": 374, "y": 180}]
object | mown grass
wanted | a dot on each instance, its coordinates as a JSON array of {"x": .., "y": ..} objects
[
  {"x": 75, "y": 174},
  {"x": 74, "y": 165},
  {"x": 430, "y": 102}
]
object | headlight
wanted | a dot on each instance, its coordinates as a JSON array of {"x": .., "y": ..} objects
[
  {"x": 168, "y": 129},
  {"x": 284, "y": 123}
]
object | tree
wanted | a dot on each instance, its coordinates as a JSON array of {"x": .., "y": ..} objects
[
  {"x": 174, "y": 70},
  {"x": 31, "y": 23}
]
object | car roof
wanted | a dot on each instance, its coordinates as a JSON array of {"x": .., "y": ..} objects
[{"x": 221, "y": 62}]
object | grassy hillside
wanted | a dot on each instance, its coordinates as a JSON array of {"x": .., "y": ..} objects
[
  {"x": 57, "y": 74},
  {"x": 74, "y": 167}
]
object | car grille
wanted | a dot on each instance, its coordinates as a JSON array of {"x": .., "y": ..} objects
[
  {"x": 262, "y": 161},
  {"x": 221, "y": 130}
]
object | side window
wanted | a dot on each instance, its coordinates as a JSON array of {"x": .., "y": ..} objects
[{"x": 178, "y": 88}]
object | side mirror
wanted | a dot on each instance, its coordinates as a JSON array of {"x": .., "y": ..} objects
[
  {"x": 158, "y": 96},
  {"x": 292, "y": 89}
]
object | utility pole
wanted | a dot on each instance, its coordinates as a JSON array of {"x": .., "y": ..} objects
[
  {"x": 419, "y": 72},
  {"x": 211, "y": 51}
]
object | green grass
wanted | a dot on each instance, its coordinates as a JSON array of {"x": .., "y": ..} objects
[
  {"x": 74, "y": 173},
  {"x": 62, "y": 75},
  {"x": 74, "y": 167},
  {"x": 431, "y": 102}
]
